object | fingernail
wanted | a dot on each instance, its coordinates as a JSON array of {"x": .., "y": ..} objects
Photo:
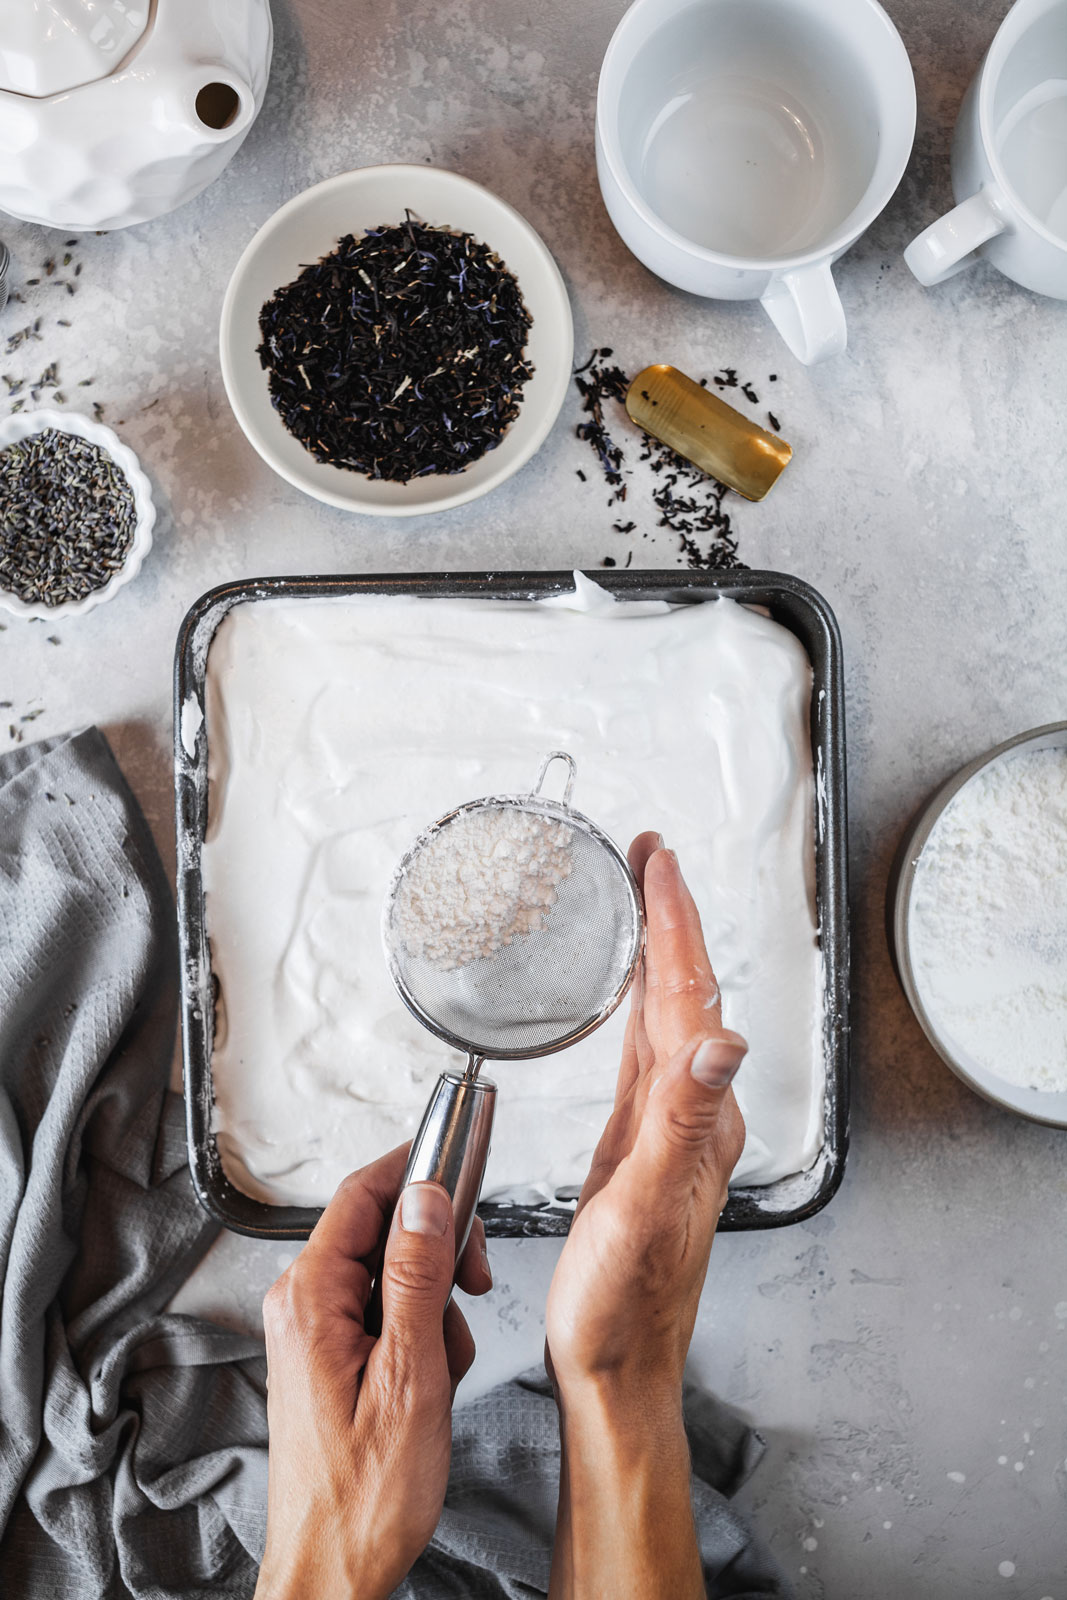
[
  {"x": 424, "y": 1208},
  {"x": 716, "y": 1061},
  {"x": 660, "y": 842},
  {"x": 486, "y": 1267}
]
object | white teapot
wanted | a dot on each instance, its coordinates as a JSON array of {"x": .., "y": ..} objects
[{"x": 116, "y": 111}]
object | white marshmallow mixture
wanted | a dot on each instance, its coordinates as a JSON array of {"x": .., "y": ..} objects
[{"x": 339, "y": 728}]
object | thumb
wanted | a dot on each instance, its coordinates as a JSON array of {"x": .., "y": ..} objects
[
  {"x": 417, "y": 1274},
  {"x": 683, "y": 1110}
]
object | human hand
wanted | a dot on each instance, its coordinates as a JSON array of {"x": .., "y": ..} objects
[
  {"x": 624, "y": 1296},
  {"x": 360, "y": 1427}
]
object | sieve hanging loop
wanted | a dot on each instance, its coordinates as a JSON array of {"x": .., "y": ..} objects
[{"x": 557, "y": 755}]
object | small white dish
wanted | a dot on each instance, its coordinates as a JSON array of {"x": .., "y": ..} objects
[
  {"x": 24, "y": 423},
  {"x": 1039, "y": 1105},
  {"x": 308, "y": 227}
]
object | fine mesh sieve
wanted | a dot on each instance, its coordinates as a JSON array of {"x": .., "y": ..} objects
[
  {"x": 544, "y": 988},
  {"x": 511, "y": 975}
]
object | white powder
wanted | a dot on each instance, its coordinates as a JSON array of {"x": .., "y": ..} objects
[
  {"x": 988, "y": 920},
  {"x": 480, "y": 882}
]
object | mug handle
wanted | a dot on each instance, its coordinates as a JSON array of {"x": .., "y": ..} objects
[
  {"x": 805, "y": 307},
  {"x": 946, "y": 246}
]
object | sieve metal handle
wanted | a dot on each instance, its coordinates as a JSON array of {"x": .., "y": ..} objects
[
  {"x": 452, "y": 1144},
  {"x": 450, "y": 1148}
]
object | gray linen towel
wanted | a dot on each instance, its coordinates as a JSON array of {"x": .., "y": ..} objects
[
  {"x": 133, "y": 1442},
  {"x": 494, "y": 1539}
]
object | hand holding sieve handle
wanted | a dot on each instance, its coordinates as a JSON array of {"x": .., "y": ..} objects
[{"x": 450, "y": 1148}]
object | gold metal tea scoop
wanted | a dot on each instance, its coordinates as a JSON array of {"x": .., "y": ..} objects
[{"x": 706, "y": 431}]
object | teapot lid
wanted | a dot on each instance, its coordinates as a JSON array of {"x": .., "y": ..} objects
[{"x": 47, "y": 46}]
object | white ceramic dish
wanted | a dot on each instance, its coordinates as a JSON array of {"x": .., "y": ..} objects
[
  {"x": 308, "y": 227},
  {"x": 21, "y": 426},
  {"x": 1038, "y": 1105}
]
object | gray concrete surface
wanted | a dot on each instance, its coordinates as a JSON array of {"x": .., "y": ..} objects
[{"x": 905, "y": 1351}]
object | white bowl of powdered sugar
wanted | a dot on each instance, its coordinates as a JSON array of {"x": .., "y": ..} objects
[{"x": 978, "y": 923}]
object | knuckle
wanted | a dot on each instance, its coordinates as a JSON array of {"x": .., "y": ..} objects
[
  {"x": 737, "y": 1140},
  {"x": 413, "y": 1273},
  {"x": 276, "y": 1304},
  {"x": 290, "y": 1312},
  {"x": 686, "y": 1127},
  {"x": 733, "y": 1133},
  {"x": 272, "y": 1314},
  {"x": 692, "y": 985},
  {"x": 351, "y": 1184}
]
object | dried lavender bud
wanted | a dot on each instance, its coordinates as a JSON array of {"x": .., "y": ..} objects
[
  {"x": 67, "y": 517},
  {"x": 399, "y": 354}
]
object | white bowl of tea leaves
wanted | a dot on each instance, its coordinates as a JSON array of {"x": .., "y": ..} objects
[{"x": 396, "y": 341}]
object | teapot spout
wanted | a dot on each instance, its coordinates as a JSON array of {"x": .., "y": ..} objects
[{"x": 216, "y": 103}]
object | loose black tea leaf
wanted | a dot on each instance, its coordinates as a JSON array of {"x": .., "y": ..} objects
[
  {"x": 67, "y": 517},
  {"x": 689, "y": 503},
  {"x": 399, "y": 354}
]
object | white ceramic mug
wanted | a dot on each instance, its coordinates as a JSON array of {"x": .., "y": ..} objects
[
  {"x": 1009, "y": 160},
  {"x": 743, "y": 145}
]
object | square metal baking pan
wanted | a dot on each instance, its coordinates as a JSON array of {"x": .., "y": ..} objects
[{"x": 791, "y": 602}]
